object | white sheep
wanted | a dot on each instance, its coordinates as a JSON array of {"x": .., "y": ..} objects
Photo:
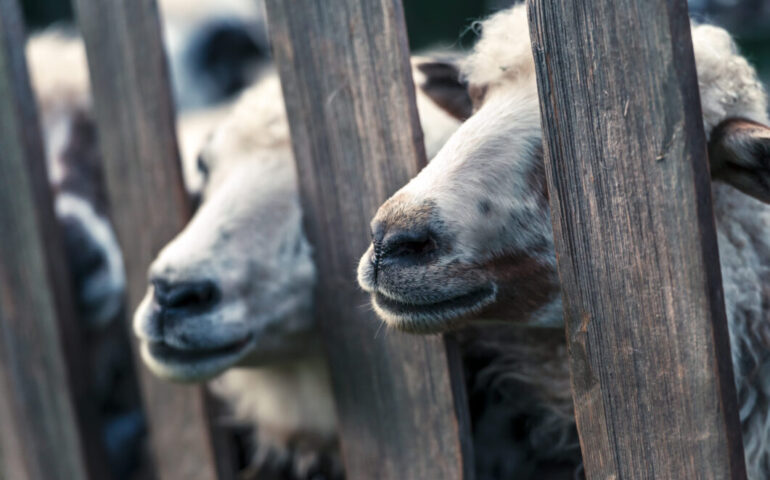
[
  {"x": 232, "y": 293},
  {"x": 495, "y": 261},
  {"x": 58, "y": 73}
]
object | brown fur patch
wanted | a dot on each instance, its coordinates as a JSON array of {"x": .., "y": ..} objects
[
  {"x": 399, "y": 214},
  {"x": 524, "y": 286}
]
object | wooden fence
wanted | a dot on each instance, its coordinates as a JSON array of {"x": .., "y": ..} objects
[
  {"x": 400, "y": 399},
  {"x": 629, "y": 193},
  {"x": 134, "y": 109},
  {"x": 45, "y": 426}
]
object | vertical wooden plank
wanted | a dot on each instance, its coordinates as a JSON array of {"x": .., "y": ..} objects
[
  {"x": 47, "y": 430},
  {"x": 634, "y": 230},
  {"x": 135, "y": 113},
  {"x": 356, "y": 138}
]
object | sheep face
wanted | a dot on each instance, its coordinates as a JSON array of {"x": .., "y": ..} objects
[
  {"x": 471, "y": 234},
  {"x": 235, "y": 286},
  {"x": 93, "y": 252}
]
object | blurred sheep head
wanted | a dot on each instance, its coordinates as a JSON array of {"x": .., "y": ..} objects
[{"x": 235, "y": 287}]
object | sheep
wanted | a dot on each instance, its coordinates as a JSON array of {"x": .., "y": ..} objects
[
  {"x": 231, "y": 295},
  {"x": 195, "y": 36},
  {"x": 59, "y": 76},
  {"x": 456, "y": 266},
  {"x": 57, "y": 66}
]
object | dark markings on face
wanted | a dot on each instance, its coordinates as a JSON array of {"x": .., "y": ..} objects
[{"x": 525, "y": 283}]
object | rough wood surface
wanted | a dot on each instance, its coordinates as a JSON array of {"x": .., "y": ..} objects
[
  {"x": 356, "y": 137},
  {"x": 135, "y": 114},
  {"x": 634, "y": 231},
  {"x": 47, "y": 424}
]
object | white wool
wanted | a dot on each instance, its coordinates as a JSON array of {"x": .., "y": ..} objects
[
  {"x": 729, "y": 86},
  {"x": 185, "y": 11},
  {"x": 257, "y": 123},
  {"x": 285, "y": 400},
  {"x": 728, "y": 83},
  {"x": 503, "y": 54},
  {"x": 58, "y": 70},
  {"x": 250, "y": 170},
  {"x": 266, "y": 97}
]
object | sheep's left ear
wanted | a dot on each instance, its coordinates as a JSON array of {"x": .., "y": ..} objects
[
  {"x": 441, "y": 82},
  {"x": 739, "y": 154}
]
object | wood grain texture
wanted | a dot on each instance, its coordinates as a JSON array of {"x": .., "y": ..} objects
[
  {"x": 634, "y": 230},
  {"x": 48, "y": 427},
  {"x": 356, "y": 136},
  {"x": 135, "y": 114}
]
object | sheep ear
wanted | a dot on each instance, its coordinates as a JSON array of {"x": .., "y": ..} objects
[
  {"x": 478, "y": 94},
  {"x": 739, "y": 154},
  {"x": 441, "y": 83}
]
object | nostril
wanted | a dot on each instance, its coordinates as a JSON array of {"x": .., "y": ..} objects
[
  {"x": 93, "y": 262},
  {"x": 196, "y": 295},
  {"x": 409, "y": 246}
]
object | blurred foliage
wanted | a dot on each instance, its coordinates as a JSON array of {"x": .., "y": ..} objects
[
  {"x": 39, "y": 13},
  {"x": 757, "y": 50},
  {"x": 431, "y": 22},
  {"x": 441, "y": 23}
]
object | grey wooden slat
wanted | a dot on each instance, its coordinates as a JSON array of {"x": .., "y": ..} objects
[
  {"x": 634, "y": 230},
  {"x": 135, "y": 114},
  {"x": 356, "y": 138},
  {"x": 48, "y": 427}
]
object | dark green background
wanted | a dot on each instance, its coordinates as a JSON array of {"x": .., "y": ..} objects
[{"x": 446, "y": 22}]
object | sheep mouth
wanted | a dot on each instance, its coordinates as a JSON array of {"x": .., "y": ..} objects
[
  {"x": 177, "y": 355},
  {"x": 435, "y": 317},
  {"x": 193, "y": 364}
]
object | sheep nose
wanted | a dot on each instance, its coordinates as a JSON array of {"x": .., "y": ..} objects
[
  {"x": 85, "y": 254},
  {"x": 86, "y": 257},
  {"x": 404, "y": 247},
  {"x": 186, "y": 297}
]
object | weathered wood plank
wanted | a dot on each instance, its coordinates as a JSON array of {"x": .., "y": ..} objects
[
  {"x": 356, "y": 137},
  {"x": 135, "y": 113},
  {"x": 634, "y": 230},
  {"x": 47, "y": 425}
]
